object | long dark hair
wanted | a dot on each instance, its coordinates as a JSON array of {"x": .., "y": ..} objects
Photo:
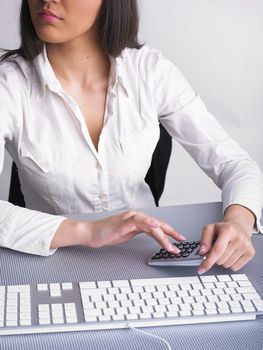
[{"x": 118, "y": 28}]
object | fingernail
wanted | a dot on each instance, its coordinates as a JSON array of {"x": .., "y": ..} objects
[
  {"x": 183, "y": 237},
  {"x": 173, "y": 249},
  {"x": 201, "y": 271},
  {"x": 202, "y": 248}
]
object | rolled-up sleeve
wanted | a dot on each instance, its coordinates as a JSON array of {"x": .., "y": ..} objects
[
  {"x": 188, "y": 121},
  {"x": 21, "y": 229}
]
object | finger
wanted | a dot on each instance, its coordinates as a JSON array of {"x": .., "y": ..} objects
[
  {"x": 228, "y": 254},
  {"x": 137, "y": 221},
  {"x": 207, "y": 239},
  {"x": 241, "y": 262},
  {"x": 244, "y": 258},
  {"x": 145, "y": 223},
  {"x": 141, "y": 220},
  {"x": 167, "y": 229},
  {"x": 233, "y": 259},
  {"x": 152, "y": 226},
  {"x": 217, "y": 250},
  {"x": 162, "y": 239}
]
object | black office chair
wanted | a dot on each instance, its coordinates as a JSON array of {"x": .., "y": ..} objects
[
  {"x": 15, "y": 194},
  {"x": 155, "y": 176}
]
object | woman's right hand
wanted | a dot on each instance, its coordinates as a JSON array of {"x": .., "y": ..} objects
[{"x": 119, "y": 229}]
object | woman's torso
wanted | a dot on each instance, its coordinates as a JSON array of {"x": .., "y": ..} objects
[{"x": 59, "y": 168}]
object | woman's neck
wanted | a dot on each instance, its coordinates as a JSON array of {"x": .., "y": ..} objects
[{"x": 80, "y": 61}]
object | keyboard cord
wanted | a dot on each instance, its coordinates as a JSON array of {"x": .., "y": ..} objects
[{"x": 167, "y": 345}]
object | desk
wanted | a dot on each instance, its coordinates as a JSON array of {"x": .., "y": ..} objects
[{"x": 129, "y": 261}]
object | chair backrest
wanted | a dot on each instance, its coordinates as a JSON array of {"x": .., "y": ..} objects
[
  {"x": 155, "y": 176},
  {"x": 15, "y": 194}
]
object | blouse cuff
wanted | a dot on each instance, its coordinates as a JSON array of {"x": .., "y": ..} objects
[{"x": 258, "y": 227}]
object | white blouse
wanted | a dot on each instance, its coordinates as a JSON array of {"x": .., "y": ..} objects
[{"x": 61, "y": 172}]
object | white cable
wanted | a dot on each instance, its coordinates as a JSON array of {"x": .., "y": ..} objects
[{"x": 168, "y": 346}]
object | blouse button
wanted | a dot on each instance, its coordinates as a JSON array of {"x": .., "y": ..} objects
[{"x": 98, "y": 166}]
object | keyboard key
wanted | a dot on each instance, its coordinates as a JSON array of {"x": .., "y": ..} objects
[
  {"x": 104, "y": 318},
  {"x": 158, "y": 315},
  {"x": 122, "y": 317},
  {"x": 208, "y": 279},
  {"x": 55, "y": 293},
  {"x": 54, "y": 286},
  {"x": 145, "y": 316},
  {"x": 11, "y": 323},
  {"x": 198, "y": 312},
  {"x": 25, "y": 322},
  {"x": 224, "y": 297},
  {"x": 42, "y": 287},
  {"x": 239, "y": 277},
  {"x": 211, "y": 311},
  {"x": 90, "y": 318},
  {"x": 244, "y": 283},
  {"x": 43, "y": 307},
  {"x": 67, "y": 286},
  {"x": 249, "y": 309},
  {"x": 87, "y": 285},
  {"x": 121, "y": 283},
  {"x": 258, "y": 304},
  {"x": 185, "y": 313},
  {"x": 251, "y": 296},
  {"x": 223, "y": 278},
  {"x": 104, "y": 284},
  {"x": 172, "y": 314},
  {"x": 121, "y": 310},
  {"x": 242, "y": 290},
  {"x": 236, "y": 310},
  {"x": 236, "y": 297},
  {"x": 58, "y": 320},
  {"x": 223, "y": 311},
  {"x": 44, "y": 321}
]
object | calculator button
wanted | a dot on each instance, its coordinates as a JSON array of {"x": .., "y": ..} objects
[{"x": 156, "y": 257}]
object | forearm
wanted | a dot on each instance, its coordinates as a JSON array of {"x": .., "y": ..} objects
[
  {"x": 240, "y": 214},
  {"x": 27, "y": 230},
  {"x": 69, "y": 233}
]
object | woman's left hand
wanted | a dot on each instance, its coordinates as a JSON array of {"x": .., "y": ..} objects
[{"x": 228, "y": 243}]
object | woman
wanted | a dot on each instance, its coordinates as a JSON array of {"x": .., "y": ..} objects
[{"x": 81, "y": 101}]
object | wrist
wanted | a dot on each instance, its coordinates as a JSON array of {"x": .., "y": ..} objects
[
  {"x": 83, "y": 231},
  {"x": 240, "y": 215},
  {"x": 69, "y": 233}
]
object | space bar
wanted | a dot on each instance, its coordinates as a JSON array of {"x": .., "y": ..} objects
[{"x": 161, "y": 281}]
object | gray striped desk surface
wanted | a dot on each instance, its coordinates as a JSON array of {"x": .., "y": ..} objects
[{"x": 127, "y": 261}]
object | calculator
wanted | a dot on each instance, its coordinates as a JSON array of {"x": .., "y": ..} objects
[{"x": 189, "y": 255}]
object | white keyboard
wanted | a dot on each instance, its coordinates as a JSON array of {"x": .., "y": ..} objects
[{"x": 78, "y": 306}]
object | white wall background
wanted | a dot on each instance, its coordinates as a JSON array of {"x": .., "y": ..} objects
[{"x": 218, "y": 47}]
